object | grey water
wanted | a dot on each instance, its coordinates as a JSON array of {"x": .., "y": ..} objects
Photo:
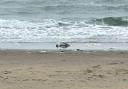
[
  {"x": 87, "y": 21},
  {"x": 37, "y": 10}
]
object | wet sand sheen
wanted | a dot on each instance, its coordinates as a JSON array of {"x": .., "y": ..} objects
[{"x": 69, "y": 70}]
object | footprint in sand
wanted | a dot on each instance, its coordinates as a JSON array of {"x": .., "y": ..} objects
[
  {"x": 97, "y": 66},
  {"x": 7, "y": 72},
  {"x": 115, "y": 63}
]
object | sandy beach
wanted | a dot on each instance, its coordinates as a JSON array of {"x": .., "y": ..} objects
[{"x": 68, "y": 70}]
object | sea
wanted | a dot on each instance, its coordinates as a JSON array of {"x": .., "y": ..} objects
[{"x": 85, "y": 24}]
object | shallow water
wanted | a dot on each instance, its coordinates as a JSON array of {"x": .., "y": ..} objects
[{"x": 42, "y": 47}]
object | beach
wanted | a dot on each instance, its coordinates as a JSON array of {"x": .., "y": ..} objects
[
  {"x": 27, "y": 69},
  {"x": 64, "y": 44}
]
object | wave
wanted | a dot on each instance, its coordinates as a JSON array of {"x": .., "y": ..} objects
[
  {"x": 113, "y": 21},
  {"x": 50, "y": 30}
]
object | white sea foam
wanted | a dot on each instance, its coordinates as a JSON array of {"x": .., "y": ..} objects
[{"x": 51, "y": 31}]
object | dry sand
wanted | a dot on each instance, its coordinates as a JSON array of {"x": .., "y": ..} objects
[{"x": 70, "y": 70}]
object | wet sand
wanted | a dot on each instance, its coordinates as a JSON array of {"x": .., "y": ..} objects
[{"x": 68, "y": 70}]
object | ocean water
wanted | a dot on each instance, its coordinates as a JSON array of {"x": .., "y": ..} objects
[{"x": 85, "y": 21}]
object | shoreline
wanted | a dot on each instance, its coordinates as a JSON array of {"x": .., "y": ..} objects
[
  {"x": 40, "y": 51},
  {"x": 73, "y": 46}
]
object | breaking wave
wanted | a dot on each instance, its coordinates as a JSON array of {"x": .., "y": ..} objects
[
  {"x": 50, "y": 30},
  {"x": 113, "y": 21}
]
